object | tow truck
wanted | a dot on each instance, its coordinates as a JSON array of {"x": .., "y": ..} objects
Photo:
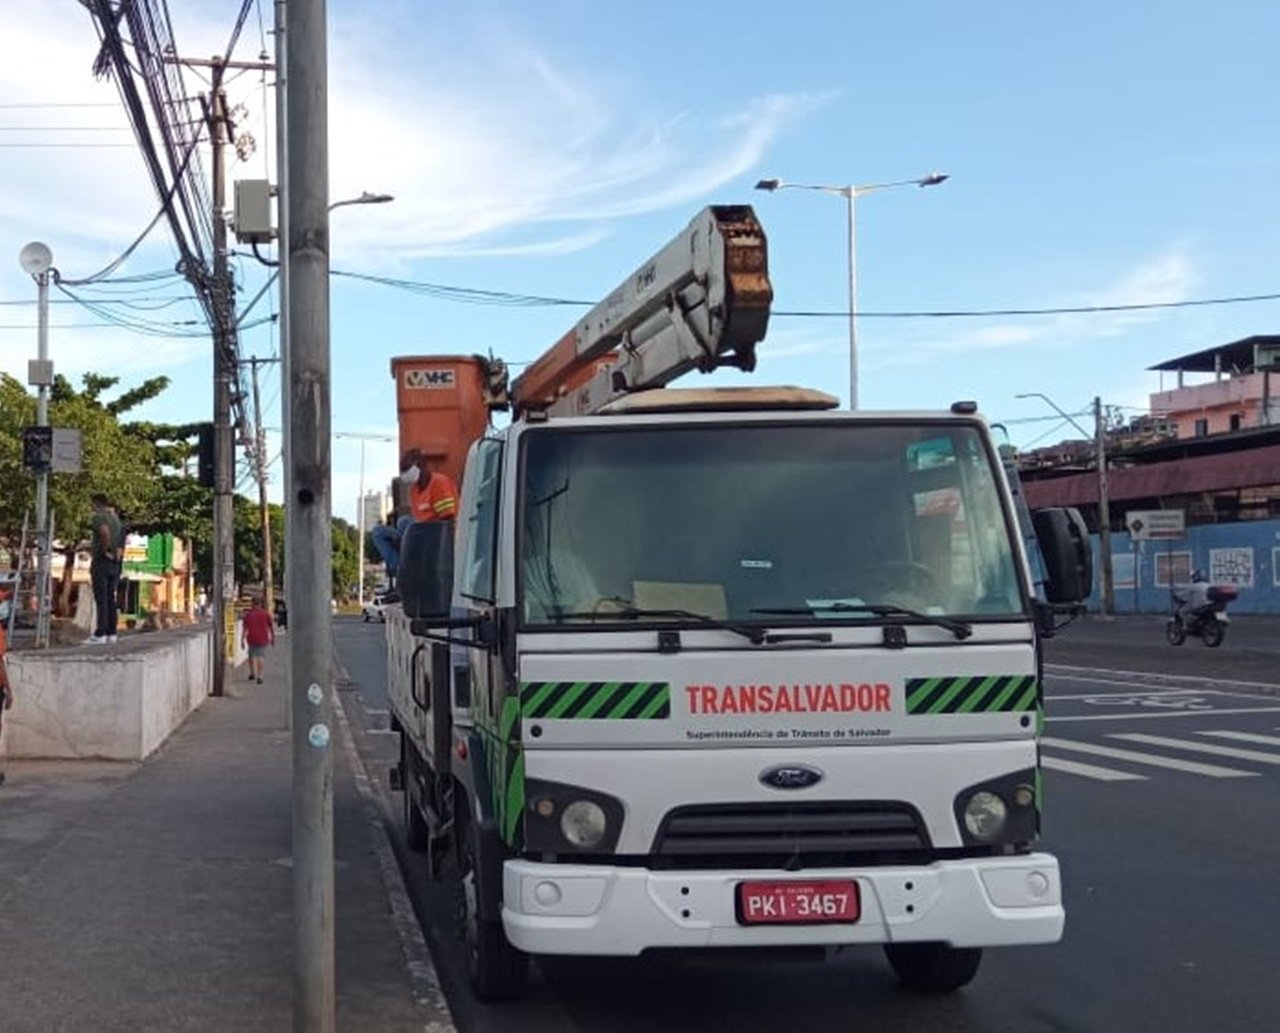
[{"x": 726, "y": 667}]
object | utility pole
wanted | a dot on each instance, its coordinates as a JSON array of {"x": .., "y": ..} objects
[
  {"x": 224, "y": 574},
  {"x": 309, "y": 514},
  {"x": 1104, "y": 511},
  {"x": 260, "y": 462},
  {"x": 222, "y": 291}
]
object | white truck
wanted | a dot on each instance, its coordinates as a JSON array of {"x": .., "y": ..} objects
[{"x": 727, "y": 667}]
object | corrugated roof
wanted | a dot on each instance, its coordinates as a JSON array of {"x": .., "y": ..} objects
[
  {"x": 1228, "y": 471},
  {"x": 1236, "y": 356}
]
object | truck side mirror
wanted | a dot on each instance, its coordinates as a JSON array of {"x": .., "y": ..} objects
[
  {"x": 425, "y": 577},
  {"x": 1068, "y": 558}
]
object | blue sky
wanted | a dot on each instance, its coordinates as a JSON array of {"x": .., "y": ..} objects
[{"x": 1099, "y": 153}]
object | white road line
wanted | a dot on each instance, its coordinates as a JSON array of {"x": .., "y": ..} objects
[
  {"x": 1141, "y": 691},
  {"x": 1215, "y": 712},
  {"x": 1199, "y": 747},
  {"x": 1191, "y": 766},
  {"x": 1063, "y": 670},
  {"x": 1074, "y": 767},
  {"x": 1264, "y": 740}
]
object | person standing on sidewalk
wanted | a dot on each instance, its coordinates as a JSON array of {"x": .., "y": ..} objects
[
  {"x": 257, "y": 631},
  {"x": 107, "y": 548}
]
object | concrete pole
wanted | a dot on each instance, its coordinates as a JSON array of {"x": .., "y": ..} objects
[
  {"x": 1108, "y": 597},
  {"x": 360, "y": 524},
  {"x": 264, "y": 512},
  {"x": 309, "y": 516},
  {"x": 852, "y": 194},
  {"x": 282, "y": 237},
  {"x": 224, "y": 574}
]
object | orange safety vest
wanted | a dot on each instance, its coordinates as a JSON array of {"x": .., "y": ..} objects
[{"x": 435, "y": 500}]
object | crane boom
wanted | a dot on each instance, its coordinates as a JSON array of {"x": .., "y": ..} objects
[{"x": 700, "y": 303}]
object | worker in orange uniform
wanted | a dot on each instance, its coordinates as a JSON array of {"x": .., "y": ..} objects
[{"x": 432, "y": 496}]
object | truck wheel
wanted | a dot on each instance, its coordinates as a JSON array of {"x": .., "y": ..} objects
[
  {"x": 1213, "y": 634},
  {"x": 498, "y": 971},
  {"x": 933, "y": 968}
]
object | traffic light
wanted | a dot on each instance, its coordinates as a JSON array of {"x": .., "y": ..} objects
[
  {"x": 37, "y": 449},
  {"x": 204, "y": 456}
]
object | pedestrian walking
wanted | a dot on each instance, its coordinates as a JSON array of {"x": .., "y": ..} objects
[
  {"x": 257, "y": 631},
  {"x": 107, "y": 548}
]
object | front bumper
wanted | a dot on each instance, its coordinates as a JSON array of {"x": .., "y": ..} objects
[{"x": 601, "y": 910}]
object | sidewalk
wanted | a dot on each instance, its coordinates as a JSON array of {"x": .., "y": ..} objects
[{"x": 158, "y": 896}]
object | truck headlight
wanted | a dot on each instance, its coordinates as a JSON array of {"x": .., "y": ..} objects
[
  {"x": 985, "y": 815},
  {"x": 583, "y": 823}
]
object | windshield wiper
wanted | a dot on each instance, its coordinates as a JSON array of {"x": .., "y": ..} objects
[
  {"x": 755, "y": 635},
  {"x": 960, "y": 629}
]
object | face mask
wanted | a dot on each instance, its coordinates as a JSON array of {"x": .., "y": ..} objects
[
  {"x": 5, "y": 606},
  {"x": 411, "y": 475}
]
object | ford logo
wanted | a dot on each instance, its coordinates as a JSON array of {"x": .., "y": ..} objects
[{"x": 791, "y": 776}]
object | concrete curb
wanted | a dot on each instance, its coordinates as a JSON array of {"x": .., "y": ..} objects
[{"x": 423, "y": 980}]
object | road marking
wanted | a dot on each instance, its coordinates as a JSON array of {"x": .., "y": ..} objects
[
  {"x": 376, "y": 711},
  {"x": 1144, "y": 691},
  {"x": 1200, "y": 747},
  {"x": 1170, "y": 713},
  {"x": 1083, "y": 672},
  {"x": 1191, "y": 766},
  {"x": 1075, "y": 767},
  {"x": 1265, "y": 740}
]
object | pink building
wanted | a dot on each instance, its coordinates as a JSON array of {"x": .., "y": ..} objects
[{"x": 1241, "y": 395}]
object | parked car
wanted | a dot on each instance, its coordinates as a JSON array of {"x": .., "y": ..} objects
[{"x": 375, "y": 610}]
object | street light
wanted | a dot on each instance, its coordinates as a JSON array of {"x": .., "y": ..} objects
[
  {"x": 362, "y": 438},
  {"x": 1108, "y": 599},
  {"x": 851, "y": 193}
]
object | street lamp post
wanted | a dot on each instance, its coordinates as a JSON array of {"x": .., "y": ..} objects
[
  {"x": 851, "y": 193},
  {"x": 1107, "y": 599},
  {"x": 363, "y": 439},
  {"x": 37, "y": 260}
]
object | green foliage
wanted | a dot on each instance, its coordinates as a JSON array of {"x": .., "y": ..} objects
[
  {"x": 116, "y": 463},
  {"x": 346, "y": 558}
]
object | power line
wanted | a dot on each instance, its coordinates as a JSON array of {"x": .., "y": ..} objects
[{"x": 477, "y": 296}]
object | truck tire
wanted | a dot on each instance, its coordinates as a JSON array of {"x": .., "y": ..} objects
[
  {"x": 415, "y": 825},
  {"x": 933, "y": 968},
  {"x": 497, "y": 971}
]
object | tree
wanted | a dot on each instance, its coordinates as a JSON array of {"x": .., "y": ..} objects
[
  {"x": 117, "y": 463},
  {"x": 346, "y": 557}
]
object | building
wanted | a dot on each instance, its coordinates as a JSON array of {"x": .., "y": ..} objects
[
  {"x": 376, "y": 505},
  {"x": 1210, "y": 450},
  {"x": 1240, "y": 396}
]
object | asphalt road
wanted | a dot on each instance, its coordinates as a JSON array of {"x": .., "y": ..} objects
[{"x": 1162, "y": 796}]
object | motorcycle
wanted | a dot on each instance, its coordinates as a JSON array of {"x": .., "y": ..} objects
[{"x": 1207, "y": 622}]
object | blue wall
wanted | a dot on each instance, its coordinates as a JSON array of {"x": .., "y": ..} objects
[{"x": 1244, "y": 554}]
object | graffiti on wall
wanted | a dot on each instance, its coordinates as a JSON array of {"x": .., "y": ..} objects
[{"x": 1232, "y": 566}]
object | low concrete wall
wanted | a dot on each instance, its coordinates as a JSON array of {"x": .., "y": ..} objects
[{"x": 115, "y": 702}]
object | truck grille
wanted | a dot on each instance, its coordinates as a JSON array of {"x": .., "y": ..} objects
[{"x": 790, "y": 835}]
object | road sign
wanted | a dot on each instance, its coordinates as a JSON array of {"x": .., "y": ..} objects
[
  {"x": 1156, "y": 524},
  {"x": 66, "y": 450}
]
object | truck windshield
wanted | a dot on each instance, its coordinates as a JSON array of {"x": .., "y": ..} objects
[{"x": 766, "y": 523}]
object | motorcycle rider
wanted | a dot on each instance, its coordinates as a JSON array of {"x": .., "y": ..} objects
[{"x": 1194, "y": 597}]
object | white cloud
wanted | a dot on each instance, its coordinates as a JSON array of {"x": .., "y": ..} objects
[{"x": 1166, "y": 277}]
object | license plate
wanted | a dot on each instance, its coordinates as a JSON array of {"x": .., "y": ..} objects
[{"x": 798, "y": 903}]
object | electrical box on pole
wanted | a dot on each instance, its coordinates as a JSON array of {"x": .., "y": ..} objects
[{"x": 252, "y": 220}]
